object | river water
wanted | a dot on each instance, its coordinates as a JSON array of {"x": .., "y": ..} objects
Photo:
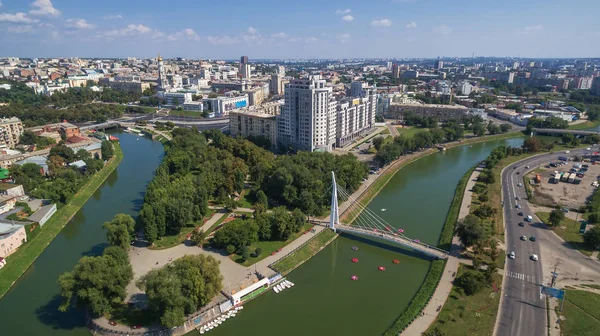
[
  {"x": 324, "y": 301},
  {"x": 30, "y": 307}
]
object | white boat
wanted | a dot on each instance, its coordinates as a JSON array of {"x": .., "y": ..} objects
[
  {"x": 275, "y": 289},
  {"x": 233, "y": 315},
  {"x": 291, "y": 284},
  {"x": 287, "y": 284},
  {"x": 241, "y": 307},
  {"x": 384, "y": 209},
  {"x": 201, "y": 331},
  {"x": 280, "y": 287}
]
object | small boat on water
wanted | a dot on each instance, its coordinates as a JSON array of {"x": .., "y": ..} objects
[
  {"x": 384, "y": 210},
  {"x": 202, "y": 331},
  {"x": 287, "y": 284},
  {"x": 276, "y": 289},
  {"x": 241, "y": 307}
]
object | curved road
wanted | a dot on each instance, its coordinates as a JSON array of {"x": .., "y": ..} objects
[{"x": 523, "y": 310}]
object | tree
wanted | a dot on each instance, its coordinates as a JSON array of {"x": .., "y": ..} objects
[
  {"x": 181, "y": 287},
  {"x": 436, "y": 331},
  {"x": 107, "y": 150},
  {"x": 592, "y": 237},
  {"x": 505, "y": 128},
  {"x": 484, "y": 211},
  {"x": 64, "y": 152},
  {"x": 478, "y": 129},
  {"x": 470, "y": 231},
  {"x": 556, "y": 216},
  {"x": 82, "y": 154},
  {"x": 198, "y": 237},
  {"x": 471, "y": 282},
  {"x": 120, "y": 231},
  {"x": 378, "y": 142},
  {"x": 258, "y": 251},
  {"x": 98, "y": 283},
  {"x": 532, "y": 145}
]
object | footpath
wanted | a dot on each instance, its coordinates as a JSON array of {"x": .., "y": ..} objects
[{"x": 431, "y": 311}]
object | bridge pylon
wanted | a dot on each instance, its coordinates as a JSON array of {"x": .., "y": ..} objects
[{"x": 334, "y": 216}]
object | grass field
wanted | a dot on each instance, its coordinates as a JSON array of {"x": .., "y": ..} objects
[
  {"x": 570, "y": 233},
  {"x": 246, "y": 200},
  {"x": 18, "y": 262},
  {"x": 170, "y": 241},
  {"x": 410, "y": 132},
  {"x": 304, "y": 253},
  {"x": 586, "y": 125},
  {"x": 268, "y": 247},
  {"x": 582, "y": 313},
  {"x": 464, "y": 315}
]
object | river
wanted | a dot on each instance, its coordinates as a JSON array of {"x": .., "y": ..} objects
[
  {"x": 30, "y": 307},
  {"x": 325, "y": 301}
]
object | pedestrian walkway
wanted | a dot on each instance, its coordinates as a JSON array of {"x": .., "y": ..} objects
[{"x": 433, "y": 308}]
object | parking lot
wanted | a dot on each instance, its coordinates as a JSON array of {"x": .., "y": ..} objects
[{"x": 564, "y": 193}]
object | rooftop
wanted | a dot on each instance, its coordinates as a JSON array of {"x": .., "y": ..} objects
[{"x": 6, "y": 186}]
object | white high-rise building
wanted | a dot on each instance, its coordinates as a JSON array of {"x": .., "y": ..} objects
[
  {"x": 308, "y": 118},
  {"x": 245, "y": 70},
  {"x": 281, "y": 70},
  {"x": 355, "y": 117},
  {"x": 276, "y": 85}
]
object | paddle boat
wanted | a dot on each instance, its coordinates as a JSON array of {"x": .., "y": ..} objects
[{"x": 354, "y": 278}]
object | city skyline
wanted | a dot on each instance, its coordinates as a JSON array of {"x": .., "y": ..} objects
[{"x": 269, "y": 29}]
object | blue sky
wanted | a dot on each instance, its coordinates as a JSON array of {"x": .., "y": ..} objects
[{"x": 226, "y": 29}]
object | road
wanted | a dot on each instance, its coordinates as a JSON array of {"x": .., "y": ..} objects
[{"x": 523, "y": 311}]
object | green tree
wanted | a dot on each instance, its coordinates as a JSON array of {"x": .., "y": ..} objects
[
  {"x": 107, "y": 150},
  {"x": 471, "y": 282},
  {"x": 556, "y": 216},
  {"x": 120, "y": 231},
  {"x": 198, "y": 237},
  {"x": 592, "y": 237},
  {"x": 505, "y": 128},
  {"x": 470, "y": 230},
  {"x": 436, "y": 331},
  {"x": 532, "y": 145},
  {"x": 98, "y": 283},
  {"x": 378, "y": 142}
]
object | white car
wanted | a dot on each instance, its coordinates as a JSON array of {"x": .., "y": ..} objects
[
  {"x": 567, "y": 152},
  {"x": 523, "y": 237},
  {"x": 519, "y": 184},
  {"x": 588, "y": 148},
  {"x": 512, "y": 255},
  {"x": 534, "y": 257}
]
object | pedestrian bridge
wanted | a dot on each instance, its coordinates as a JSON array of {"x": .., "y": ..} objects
[{"x": 367, "y": 223}]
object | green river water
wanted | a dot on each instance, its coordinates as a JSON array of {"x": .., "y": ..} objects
[{"x": 324, "y": 301}]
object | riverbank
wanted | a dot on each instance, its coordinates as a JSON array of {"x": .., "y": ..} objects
[
  {"x": 23, "y": 258},
  {"x": 296, "y": 258},
  {"x": 390, "y": 170}
]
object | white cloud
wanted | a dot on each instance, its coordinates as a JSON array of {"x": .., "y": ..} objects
[
  {"x": 381, "y": 23},
  {"x": 20, "y": 29},
  {"x": 443, "y": 29},
  {"x": 43, "y": 8},
  {"x": 16, "y": 18},
  {"x": 344, "y": 37},
  {"x": 133, "y": 30},
  {"x": 79, "y": 24},
  {"x": 530, "y": 29},
  {"x": 186, "y": 34},
  {"x": 252, "y": 30},
  {"x": 348, "y": 18},
  {"x": 113, "y": 17},
  {"x": 0, "y": 3},
  {"x": 279, "y": 35},
  {"x": 411, "y": 25},
  {"x": 311, "y": 39},
  {"x": 343, "y": 11},
  {"x": 222, "y": 39}
]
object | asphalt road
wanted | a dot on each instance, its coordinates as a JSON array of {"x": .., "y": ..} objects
[{"x": 523, "y": 310}]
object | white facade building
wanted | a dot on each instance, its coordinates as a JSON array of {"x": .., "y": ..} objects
[
  {"x": 465, "y": 88},
  {"x": 245, "y": 70},
  {"x": 222, "y": 105},
  {"x": 355, "y": 117},
  {"x": 177, "y": 98},
  {"x": 308, "y": 119},
  {"x": 195, "y": 106}
]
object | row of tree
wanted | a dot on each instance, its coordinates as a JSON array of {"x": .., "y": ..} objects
[{"x": 35, "y": 115}]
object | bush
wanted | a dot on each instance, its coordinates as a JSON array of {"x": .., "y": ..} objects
[
  {"x": 258, "y": 251},
  {"x": 246, "y": 255},
  {"x": 471, "y": 282},
  {"x": 231, "y": 249}
]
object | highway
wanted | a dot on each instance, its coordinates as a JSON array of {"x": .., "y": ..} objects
[{"x": 523, "y": 309}]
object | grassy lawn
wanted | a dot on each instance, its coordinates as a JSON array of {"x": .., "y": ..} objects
[
  {"x": 192, "y": 114},
  {"x": 268, "y": 247},
  {"x": 591, "y": 286},
  {"x": 304, "y": 253},
  {"x": 246, "y": 200},
  {"x": 582, "y": 313},
  {"x": 585, "y": 125},
  {"x": 18, "y": 262},
  {"x": 469, "y": 315},
  {"x": 170, "y": 241},
  {"x": 570, "y": 233},
  {"x": 410, "y": 132}
]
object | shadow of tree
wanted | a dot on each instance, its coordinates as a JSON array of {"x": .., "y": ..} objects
[{"x": 49, "y": 315}]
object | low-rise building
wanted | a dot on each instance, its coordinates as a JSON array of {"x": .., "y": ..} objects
[
  {"x": 43, "y": 214},
  {"x": 12, "y": 236},
  {"x": 223, "y": 105},
  {"x": 64, "y": 129},
  {"x": 9, "y": 189},
  {"x": 177, "y": 98},
  {"x": 195, "y": 106},
  {"x": 256, "y": 121},
  {"x": 442, "y": 112}
]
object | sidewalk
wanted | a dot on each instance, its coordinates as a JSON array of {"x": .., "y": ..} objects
[{"x": 430, "y": 313}]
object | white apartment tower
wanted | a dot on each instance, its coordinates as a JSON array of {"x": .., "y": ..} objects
[
  {"x": 245, "y": 70},
  {"x": 308, "y": 118}
]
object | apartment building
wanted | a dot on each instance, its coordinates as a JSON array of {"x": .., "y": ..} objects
[
  {"x": 308, "y": 118},
  {"x": 256, "y": 121},
  {"x": 10, "y": 132},
  {"x": 355, "y": 117},
  {"x": 442, "y": 112},
  {"x": 134, "y": 85}
]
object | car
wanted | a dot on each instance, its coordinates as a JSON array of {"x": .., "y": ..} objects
[
  {"x": 517, "y": 198},
  {"x": 532, "y": 238},
  {"x": 567, "y": 151},
  {"x": 519, "y": 184},
  {"x": 534, "y": 257},
  {"x": 523, "y": 237},
  {"x": 520, "y": 213},
  {"x": 565, "y": 210},
  {"x": 526, "y": 167},
  {"x": 514, "y": 167},
  {"x": 521, "y": 224},
  {"x": 588, "y": 148},
  {"x": 112, "y": 323},
  {"x": 518, "y": 173},
  {"x": 512, "y": 255},
  {"x": 519, "y": 206},
  {"x": 136, "y": 327}
]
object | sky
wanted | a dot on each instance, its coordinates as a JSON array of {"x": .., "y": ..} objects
[{"x": 284, "y": 29}]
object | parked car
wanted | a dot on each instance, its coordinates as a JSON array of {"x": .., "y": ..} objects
[
  {"x": 534, "y": 257},
  {"x": 112, "y": 323},
  {"x": 520, "y": 213},
  {"x": 532, "y": 238},
  {"x": 512, "y": 255},
  {"x": 523, "y": 237}
]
